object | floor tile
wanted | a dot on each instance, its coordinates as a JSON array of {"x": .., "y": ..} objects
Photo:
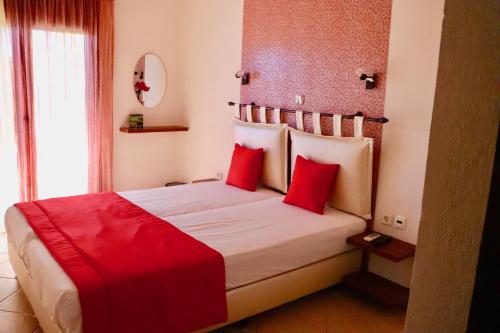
[
  {"x": 334, "y": 310},
  {"x": 6, "y": 270},
  {"x": 8, "y": 287},
  {"x": 11, "y": 322},
  {"x": 349, "y": 312},
  {"x": 16, "y": 302},
  {"x": 303, "y": 315}
]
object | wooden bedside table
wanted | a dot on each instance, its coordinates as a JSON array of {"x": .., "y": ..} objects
[
  {"x": 205, "y": 180},
  {"x": 376, "y": 286}
]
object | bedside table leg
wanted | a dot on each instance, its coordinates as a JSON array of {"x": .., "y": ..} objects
[{"x": 364, "y": 261}]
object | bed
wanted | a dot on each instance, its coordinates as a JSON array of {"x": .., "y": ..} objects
[
  {"x": 256, "y": 233},
  {"x": 272, "y": 252}
]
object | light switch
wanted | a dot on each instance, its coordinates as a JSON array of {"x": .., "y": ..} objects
[{"x": 299, "y": 99}]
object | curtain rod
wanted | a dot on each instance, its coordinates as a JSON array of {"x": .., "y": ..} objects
[{"x": 381, "y": 120}]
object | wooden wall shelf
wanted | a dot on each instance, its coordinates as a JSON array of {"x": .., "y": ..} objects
[
  {"x": 396, "y": 250},
  {"x": 154, "y": 129}
]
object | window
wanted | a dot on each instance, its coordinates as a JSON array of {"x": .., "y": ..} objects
[{"x": 60, "y": 116}]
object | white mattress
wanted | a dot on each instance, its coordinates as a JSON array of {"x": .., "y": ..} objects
[{"x": 258, "y": 240}]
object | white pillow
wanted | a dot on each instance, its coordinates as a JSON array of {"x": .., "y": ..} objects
[
  {"x": 353, "y": 186},
  {"x": 274, "y": 139}
]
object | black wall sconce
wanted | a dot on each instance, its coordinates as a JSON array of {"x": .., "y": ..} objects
[
  {"x": 368, "y": 76},
  {"x": 244, "y": 76}
]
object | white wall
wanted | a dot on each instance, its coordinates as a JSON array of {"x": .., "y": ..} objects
[
  {"x": 150, "y": 159},
  {"x": 200, "y": 44},
  {"x": 411, "y": 81},
  {"x": 210, "y": 53}
]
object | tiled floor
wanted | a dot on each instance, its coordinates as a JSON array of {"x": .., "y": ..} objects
[
  {"x": 16, "y": 315},
  {"x": 334, "y": 310}
]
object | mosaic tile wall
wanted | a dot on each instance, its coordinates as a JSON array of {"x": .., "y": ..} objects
[{"x": 312, "y": 48}]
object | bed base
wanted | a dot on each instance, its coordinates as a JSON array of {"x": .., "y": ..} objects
[{"x": 243, "y": 302}]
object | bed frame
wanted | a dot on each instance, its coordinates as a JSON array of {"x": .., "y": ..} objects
[{"x": 243, "y": 302}]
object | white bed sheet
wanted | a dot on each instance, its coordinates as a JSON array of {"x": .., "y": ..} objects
[
  {"x": 184, "y": 199},
  {"x": 258, "y": 240},
  {"x": 262, "y": 239},
  {"x": 162, "y": 202}
]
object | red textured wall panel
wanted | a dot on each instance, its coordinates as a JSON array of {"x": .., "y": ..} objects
[{"x": 312, "y": 48}]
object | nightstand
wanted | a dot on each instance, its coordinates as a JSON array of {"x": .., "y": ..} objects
[
  {"x": 376, "y": 286},
  {"x": 205, "y": 180}
]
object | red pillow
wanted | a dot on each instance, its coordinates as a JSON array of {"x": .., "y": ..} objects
[
  {"x": 311, "y": 185},
  {"x": 246, "y": 167}
]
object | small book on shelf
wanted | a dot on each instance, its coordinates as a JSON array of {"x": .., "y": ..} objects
[{"x": 135, "y": 120}]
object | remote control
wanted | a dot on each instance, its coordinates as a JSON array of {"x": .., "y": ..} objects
[{"x": 372, "y": 236}]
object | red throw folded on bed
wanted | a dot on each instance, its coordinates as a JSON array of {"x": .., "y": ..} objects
[{"x": 134, "y": 272}]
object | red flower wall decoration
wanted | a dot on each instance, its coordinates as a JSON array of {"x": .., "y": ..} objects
[{"x": 141, "y": 86}]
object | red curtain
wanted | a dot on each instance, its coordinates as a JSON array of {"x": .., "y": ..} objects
[{"x": 95, "y": 19}]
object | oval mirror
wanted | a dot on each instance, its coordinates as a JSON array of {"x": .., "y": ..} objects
[{"x": 150, "y": 80}]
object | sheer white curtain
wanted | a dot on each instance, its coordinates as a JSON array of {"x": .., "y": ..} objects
[
  {"x": 60, "y": 118},
  {"x": 9, "y": 176}
]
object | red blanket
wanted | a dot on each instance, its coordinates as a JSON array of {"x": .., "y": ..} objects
[{"x": 134, "y": 272}]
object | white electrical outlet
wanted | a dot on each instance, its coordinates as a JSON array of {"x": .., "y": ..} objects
[
  {"x": 400, "y": 222},
  {"x": 220, "y": 175},
  {"x": 387, "y": 220}
]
